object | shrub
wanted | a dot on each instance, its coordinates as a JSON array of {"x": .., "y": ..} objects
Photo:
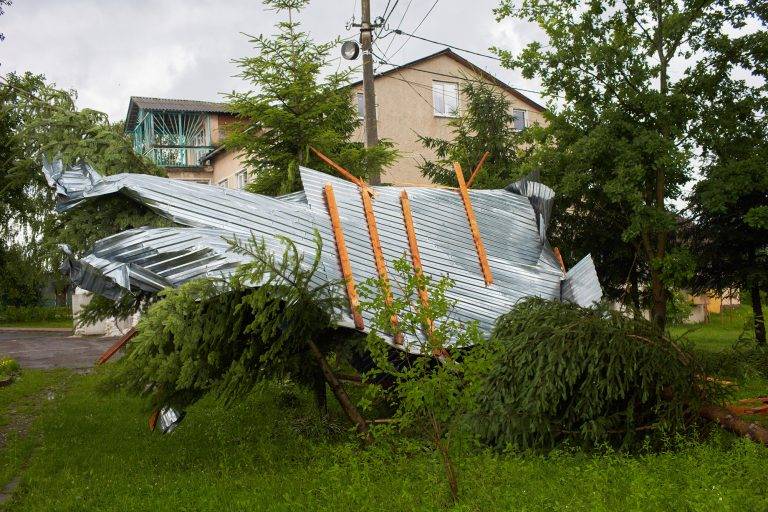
[
  {"x": 556, "y": 371},
  {"x": 20, "y": 314},
  {"x": 8, "y": 367}
]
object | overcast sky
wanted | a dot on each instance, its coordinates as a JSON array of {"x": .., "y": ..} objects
[{"x": 108, "y": 50}]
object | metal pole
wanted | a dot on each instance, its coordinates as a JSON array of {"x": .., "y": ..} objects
[{"x": 369, "y": 95}]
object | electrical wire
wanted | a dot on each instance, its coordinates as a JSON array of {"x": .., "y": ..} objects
[
  {"x": 401, "y": 33},
  {"x": 415, "y": 30},
  {"x": 400, "y": 24}
]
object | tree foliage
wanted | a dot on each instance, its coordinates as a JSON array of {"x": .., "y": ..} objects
[
  {"x": 292, "y": 107},
  {"x": 590, "y": 375},
  {"x": 621, "y": 145},
  {"x": 486, "y": 123},
  {"x": 225, "y": 336}
]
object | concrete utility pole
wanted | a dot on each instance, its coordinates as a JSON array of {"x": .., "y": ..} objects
[{"x": 369, "y": 95}]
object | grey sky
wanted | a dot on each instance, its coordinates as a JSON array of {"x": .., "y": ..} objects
[{"x": 109, "y": 50}]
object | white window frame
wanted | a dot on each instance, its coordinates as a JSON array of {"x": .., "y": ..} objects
[
  {"x": 223, "y": 183},
  {"x": 360, "y": 97},
  {"x": 519, "y": 111},
  {"x": 440, "y": 90},
  {"x": 242, "y": 179}
]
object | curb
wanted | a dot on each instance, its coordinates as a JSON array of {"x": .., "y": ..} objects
[{"x": 37, "y": 329}]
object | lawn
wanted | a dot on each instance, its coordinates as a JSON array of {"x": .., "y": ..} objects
[
  {"x": 39, "y": 324},
  {"x": 721, "y": 332},
  {"x": 91, "y": 450},
  {"x": 88, "y": 450}
]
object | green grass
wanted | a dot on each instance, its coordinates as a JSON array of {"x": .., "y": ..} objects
[
  {"x": 93, "y": 451},
  {"x": 42, "y": 324},
  {"x": 721, "y": 332}
]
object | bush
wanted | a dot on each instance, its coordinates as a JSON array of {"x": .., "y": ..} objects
[
  {"x": 556, "y": 371},
  {"x": 8, "y": 367},
  {"x": 14, "y": 315}
]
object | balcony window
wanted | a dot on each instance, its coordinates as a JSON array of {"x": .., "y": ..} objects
[
  {"x": 445, "y": 98},
  {"x": 520, "y": 119}
]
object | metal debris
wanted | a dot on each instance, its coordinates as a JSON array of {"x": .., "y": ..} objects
[{"x": 513, "y": 224}]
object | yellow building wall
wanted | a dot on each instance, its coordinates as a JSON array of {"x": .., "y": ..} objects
[{"x": 404, "y": 110}]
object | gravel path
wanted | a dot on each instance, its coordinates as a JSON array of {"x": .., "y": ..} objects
[{"x": 52, "y": 349}]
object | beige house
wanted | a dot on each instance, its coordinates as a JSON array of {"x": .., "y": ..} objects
[{"x": 418, "y": 98}]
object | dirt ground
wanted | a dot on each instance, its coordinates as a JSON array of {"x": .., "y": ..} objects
[{"x": 52, "y": 349}]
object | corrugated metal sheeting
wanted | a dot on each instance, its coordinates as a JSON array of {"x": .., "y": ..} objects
[{"x": 512, "y": 223}]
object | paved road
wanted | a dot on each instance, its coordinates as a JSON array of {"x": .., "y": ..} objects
[{"x": 51, "y": 349}]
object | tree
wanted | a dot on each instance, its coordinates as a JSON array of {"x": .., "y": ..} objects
[
  {"x": 292, "y": 107},
  {"x": 486, "y": 124},
  {"x": 729, "y": 235},
  {"x": 37, "y": 122},
  {"x": 625, "y": 124}
]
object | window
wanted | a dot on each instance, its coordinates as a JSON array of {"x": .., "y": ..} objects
[
  {"x": 520, "y": 119},
  {"x": 242, "y": 179},
  {"x": 445, "y": 98},
  {"x": 360, "y": 105},
  {"x": 224, "y": 183}
]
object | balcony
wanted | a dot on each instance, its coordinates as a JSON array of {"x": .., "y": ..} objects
[{"x": 173, "y": 139}]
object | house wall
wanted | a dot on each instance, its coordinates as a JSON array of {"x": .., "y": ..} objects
[
  {"x": 225, "y": 166},
  {"x": 405, "y": 110}
]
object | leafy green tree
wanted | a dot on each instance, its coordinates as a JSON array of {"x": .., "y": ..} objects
[
  {"x": 627, "y": 78},
  {"x": 427, "y": 379},
  {"x": 729, "y": 235},
  {"x": 485, "y": 124},
  {"x": 293, "y": 107},
  {"x": 38, "y": 121}
]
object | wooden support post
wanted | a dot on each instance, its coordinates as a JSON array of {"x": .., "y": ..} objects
[
  {"x": 559, "y": 258},
  {"x": 341, "y": 395},
  {"x": 341, "y": 249},
  {"x": 413, "y": 245},
  {"x": 482, "y": 256},
  {"x": 120, "y": 343},
  {"x": 378, "y": 255},
  {"x": 345, "y": 173},
  {"x": 477, "y": 169}
]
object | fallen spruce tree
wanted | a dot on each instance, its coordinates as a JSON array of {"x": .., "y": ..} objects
[{"x": 556, "y": 371}]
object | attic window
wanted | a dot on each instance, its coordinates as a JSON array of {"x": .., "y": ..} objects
[{"x": 445, "y": 98}]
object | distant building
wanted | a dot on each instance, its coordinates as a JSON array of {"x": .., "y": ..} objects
[{"x": 417, "y": 98}]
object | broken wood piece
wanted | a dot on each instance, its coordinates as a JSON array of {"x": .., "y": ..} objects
[
  {"x": 559, "y": 258},
  {"x": 341, "y": 250},
  {"x": 481, "y": 254},
  {"x": 120, "y": 343},
  {"x": 153, "y": 419},
  {"x": 345, "y": 173},
  {"x": 730, "y": 422},
  {"x": 341, "y": 395},
  {"x": 477, "y": 169}
]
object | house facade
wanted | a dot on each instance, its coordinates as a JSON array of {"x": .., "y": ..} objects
[{"x": 417, "y": 98}]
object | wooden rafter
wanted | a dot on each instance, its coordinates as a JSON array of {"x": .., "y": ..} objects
[
  {"x": 481, "y": 254},
  {"x": 120, "y": 343},
  {"x": 341, "y": 250},
  {"x": 559, "y": 258},
  {"x": 414, "y": 249},
  {"x": 477, "y": 169},
  {"x": 345, "y": 173}
]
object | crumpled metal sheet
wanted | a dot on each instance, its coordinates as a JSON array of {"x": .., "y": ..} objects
[{"x": 512, "y": 224}]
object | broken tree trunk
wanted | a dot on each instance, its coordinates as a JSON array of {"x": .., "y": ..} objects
[
  {"x": 341, "y": 395},
  {"x": 732, "y": 423}
]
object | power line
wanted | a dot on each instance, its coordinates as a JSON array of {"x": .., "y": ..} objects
[
  {"x": 401, "y": 33},
  {"x": 398, "y": 26},
  {"x": 416, "y": 29}
]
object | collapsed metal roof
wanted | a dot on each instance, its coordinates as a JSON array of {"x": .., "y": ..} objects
[{"x": 512, "y": 224}]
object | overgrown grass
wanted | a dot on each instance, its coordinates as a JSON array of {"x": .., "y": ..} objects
[{"x": 96, "y": 453}]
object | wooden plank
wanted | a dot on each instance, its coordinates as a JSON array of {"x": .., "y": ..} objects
[
  {"x": 378, "y": 255},
  {"x": 477, "y": 169},
  {"x": 152, "y": 421},
  {"x": 120, "y": 343},
  {"x": 345, "y": 173},
  {"x": 341, "y": 250},
  {"x": 413, "y": 245},
  {"x": 559, "y": 258},
  {"x": 481, "y": 254}
]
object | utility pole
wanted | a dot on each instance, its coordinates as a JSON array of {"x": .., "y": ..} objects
[{"x": 369, "y": 95}]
